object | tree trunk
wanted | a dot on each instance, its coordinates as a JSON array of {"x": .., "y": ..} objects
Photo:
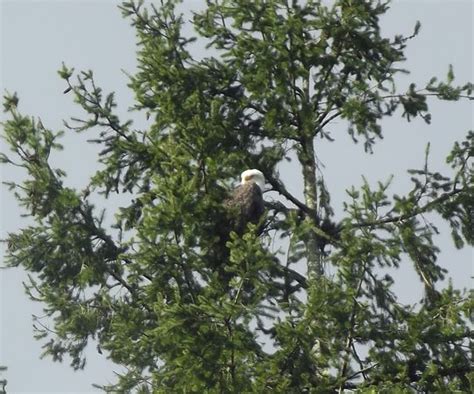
[{"x": 308, "y": 163}]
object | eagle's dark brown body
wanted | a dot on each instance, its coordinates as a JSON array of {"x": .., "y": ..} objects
[{"x": 245, "y": 206}]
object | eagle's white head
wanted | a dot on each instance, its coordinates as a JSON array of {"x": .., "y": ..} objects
[{"x": 253, "y": 176}]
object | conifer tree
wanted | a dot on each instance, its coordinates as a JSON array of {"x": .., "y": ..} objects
[{"x": 159, "y": 291}]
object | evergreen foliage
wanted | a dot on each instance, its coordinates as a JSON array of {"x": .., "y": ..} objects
[{"x": 159, "y": 291}]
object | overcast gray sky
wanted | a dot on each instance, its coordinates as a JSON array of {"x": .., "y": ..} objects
[{"x": 36, "y": 36}]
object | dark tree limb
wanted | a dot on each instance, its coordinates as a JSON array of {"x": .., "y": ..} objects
[
  {"x": 415, "y": 212},
  {"x": 280, "y": 188}
]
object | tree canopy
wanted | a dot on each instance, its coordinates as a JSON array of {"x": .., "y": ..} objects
[{"x": 161, "y": 294}]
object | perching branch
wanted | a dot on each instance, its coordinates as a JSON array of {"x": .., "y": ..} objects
[{"x": 280, "y": 188}]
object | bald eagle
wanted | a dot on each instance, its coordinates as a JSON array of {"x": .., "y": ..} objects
[
  {"x": 246, "y": 203},
  {"x": 245, "y": 206}
]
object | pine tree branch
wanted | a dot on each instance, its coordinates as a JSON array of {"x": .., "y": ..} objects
[
  {"x": 280, "y": 188},
  {"x": 293, "y": 275},
  {"x": 415, "y": 212},
  {"x": 457, "y": 371},
  {"x": 362, "y": 371},
  {"x": 350, "y": 335},
  {"x": 322, "y": 121},
  {"x": 100, "y": 234},
  {"x": 421, "y": 94},
  {"x": 328, "y": 120}
]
